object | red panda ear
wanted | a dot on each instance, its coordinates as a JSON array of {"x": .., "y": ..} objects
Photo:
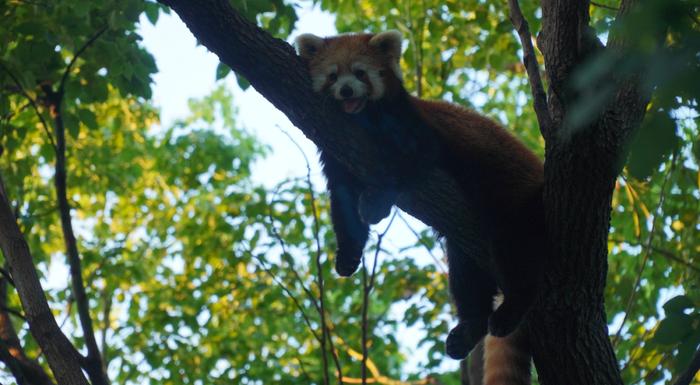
[
  {"x": 388, "y": 42},
  {"x": 308, "y": 45}
]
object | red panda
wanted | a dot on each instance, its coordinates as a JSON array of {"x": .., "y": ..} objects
[
  {"x": 505, "y": 360},
  {"x": 360, "y": 73}
]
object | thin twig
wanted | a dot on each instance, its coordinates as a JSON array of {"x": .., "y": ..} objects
[
  {"x": 106, "y": 313},
  {"x": 533, "y": 71},
  {"x": 289, "y": 294},
  {"x": 647, "y": 252},
  {"x": 366, "y": 289},
  {"x": 600, "y": 5},
  {"x": 14, "y": 312},
  {"x": 19, "y": 109},
  {"x": 663, "y": 252},
  {"x": 6, "y": 274},
  {"x": 440, "y": 264},
  {"x": 325, "y": 332},
  {"x": 689, "y": 373},
  {"x": 69, "y": 309},
  {"x": 636, "y": 349},
  {"x": 88, "y": 43},
  {"x": 34, "y": 104},
  {"x": 283, "y": 245},
  {"x": 659, "y": 366}
]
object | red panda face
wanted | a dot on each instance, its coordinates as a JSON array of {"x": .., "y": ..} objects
[{"x": 352, "y": 68}]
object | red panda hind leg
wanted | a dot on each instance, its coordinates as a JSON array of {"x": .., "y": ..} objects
[
  {"x": 472, "y": 290},
  {"x": 505, "y": 360}
]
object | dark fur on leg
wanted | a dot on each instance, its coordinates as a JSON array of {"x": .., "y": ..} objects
[
  {"x": 375, "y": 204},
  {"x": 519, "y": 257},
  {"x": 350, "y": 231},
  {"x": 472, "y": 290}
]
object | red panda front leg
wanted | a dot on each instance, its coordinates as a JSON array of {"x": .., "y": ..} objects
[
  {"x": 375, "y": 204},
  {"x": 351, "y": 232},
  {"x": 518, "y": 258}
]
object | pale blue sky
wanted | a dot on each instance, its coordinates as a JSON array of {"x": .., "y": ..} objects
[{"x": 186, "y": 70}]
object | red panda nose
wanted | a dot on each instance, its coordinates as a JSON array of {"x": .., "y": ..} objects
[{"x": 346, "y": 91}]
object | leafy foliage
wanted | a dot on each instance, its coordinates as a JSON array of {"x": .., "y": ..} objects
[{"x": 198, "y": 275}]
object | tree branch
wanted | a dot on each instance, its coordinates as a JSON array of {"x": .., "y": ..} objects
[
  {"x": 579, "y": 176},
  {"x": 33, "y": 103},
  {"x": 564, "y": 41},
  {"x": 6, "y": 275},
  {"x": 687, "y": 376},
  {"x": 88, "y": 43},
  {"x": 94, "y": 365},
  {"x": 647, "y": 249},
  {"x": 367, "y": 286},
  {"x": 532, "y": 67},
  {"x": 60, "y": 353},
  {"x": 274, "y": 70},
  {"x": 25, "y": 370},
  {"x": 325, "y": 329},
  {"x": 601, "y": 5}
]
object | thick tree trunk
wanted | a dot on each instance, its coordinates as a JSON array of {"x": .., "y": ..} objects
[
  {"x": 25, "y": 370},
  {"x": 567, "y": 326},
  {"x": 62, "y": 357}
]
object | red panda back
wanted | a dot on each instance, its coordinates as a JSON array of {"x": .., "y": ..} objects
[{"x": 511, "y": 172}]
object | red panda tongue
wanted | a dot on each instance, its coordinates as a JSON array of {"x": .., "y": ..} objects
[{"x": 351, "y": 105}]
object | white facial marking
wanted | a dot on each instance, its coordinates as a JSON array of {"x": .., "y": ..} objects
[
  {"x": 319, "y": 80},
  {"x": 377, "y": 83},
  {"x": 397, "y": 70},
  {"x": 359, "y": 89}
]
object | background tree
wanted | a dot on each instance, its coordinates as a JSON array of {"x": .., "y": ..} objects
[{"x": 192, "y": 272}]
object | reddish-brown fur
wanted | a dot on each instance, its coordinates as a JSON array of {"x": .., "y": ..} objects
[
  {"x": 512, "y": 172},
  {"x": 503, "y": 179},
  {"x": 506, "y": 360}
]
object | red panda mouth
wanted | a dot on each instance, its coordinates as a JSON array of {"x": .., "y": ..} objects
[{"x": 353, "y": 105}]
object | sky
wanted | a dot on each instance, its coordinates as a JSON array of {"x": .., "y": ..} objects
[{"x": 186, "y": 71}]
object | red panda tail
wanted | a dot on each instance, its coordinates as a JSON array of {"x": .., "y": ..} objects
[{"x": 506, "y": 360}]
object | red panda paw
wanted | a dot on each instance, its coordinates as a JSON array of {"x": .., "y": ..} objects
[
  {"x": 346, "y": 263},
  {"x": 464, "y": 337},
  {"x": 375, "y": 205}
]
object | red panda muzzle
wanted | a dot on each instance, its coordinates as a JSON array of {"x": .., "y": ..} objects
[{"x": 353, "y": 105}]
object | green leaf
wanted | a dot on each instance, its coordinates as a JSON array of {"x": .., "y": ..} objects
[
  {"x": 71, "y": 124},
  {"x": 654, "y": 141},
  {"x": 88, "y": 118},
  {"x": 242, "y": 81},
  {"x": 222, "y": 70},
  {"x": 673, "y": 329},
  {"x": 678, "y": 304},
  {"x": 152, "y": 11}
]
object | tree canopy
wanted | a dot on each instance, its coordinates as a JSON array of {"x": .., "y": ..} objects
[{"x": 193, "y": 273}]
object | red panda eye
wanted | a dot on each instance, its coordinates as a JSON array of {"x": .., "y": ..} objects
[
  {"x": 333, "y": 77},
  {"x": 360, "y": 73}
]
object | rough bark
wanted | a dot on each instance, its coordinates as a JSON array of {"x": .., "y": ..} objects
[
  {"x": 567, "y": 326},
  {"x": 93, "y": 362},
  {"x": 25, "y": 370},
  {"x": 62, "y": 357},
  {"x": 273, "y": 69}
]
